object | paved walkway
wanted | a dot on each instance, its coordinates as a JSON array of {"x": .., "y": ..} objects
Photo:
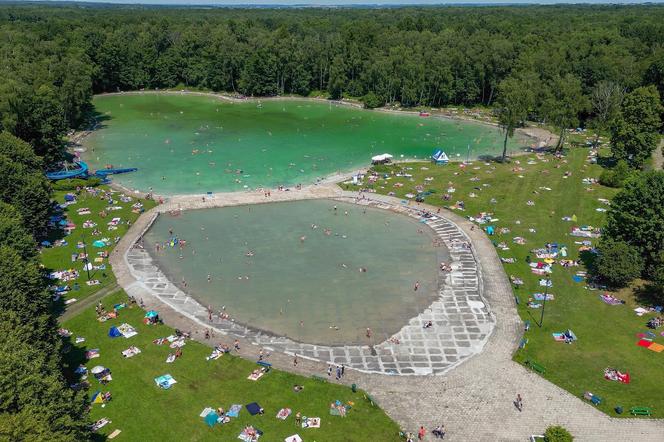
[{"x": 474, "y": 401}]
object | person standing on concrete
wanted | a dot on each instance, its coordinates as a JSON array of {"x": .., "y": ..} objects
[{"x": 519, "y": 402}]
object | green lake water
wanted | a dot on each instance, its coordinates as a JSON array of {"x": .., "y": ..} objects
[
  {"x": 316, "y": 279},
  {"x": 185, "y": 144}
]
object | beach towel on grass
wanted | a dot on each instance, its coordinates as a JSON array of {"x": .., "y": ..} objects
[
  {"x": 206, "y": 411},
  {"x": 130, "y": 352},
  {"x": 644, "y": 343},
  {"x": 658, "y": 348},
  {"x": 559, "y": 337},
  {"x": 247, "y": 438},
  {"x": 165, "y": 381},
  {"x": 283, "y": 413},
  {"x": 234, "y": 411},
  {"x": 253, "y": 408},
  {"x": 127, "y": 330},
  {"x": 293, "y": 438},
  {"x": 312, "y": 422}
]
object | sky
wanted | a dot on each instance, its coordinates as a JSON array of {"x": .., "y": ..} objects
[{"x": 357, "y": 2}]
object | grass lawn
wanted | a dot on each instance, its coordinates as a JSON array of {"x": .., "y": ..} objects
[
  {"x": 606, "y": 333},
  {"x": 143, "y": 411},
  {"x": 59, "y": 257}
]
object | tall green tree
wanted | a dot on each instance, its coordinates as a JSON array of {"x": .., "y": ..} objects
[
  {"x": 23, "y": 185},
  {"x": 605, "y": 99},
  {"x": 515, "y": 100},
  {"x": 636, "y": 217},
  {"x": 635, "y": 131},
  {"x": 563, "y": 102},
  {"x": 41, "y": 122}
]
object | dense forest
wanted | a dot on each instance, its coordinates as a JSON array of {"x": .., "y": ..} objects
[
  {"x": 54, "y": 59},
  {"x": 601, "y": 66}
]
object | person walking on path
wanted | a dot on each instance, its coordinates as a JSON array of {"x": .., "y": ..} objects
[
  {"x": 338, "y": 373},
  {"x": 519, "y": 402},
  {"x": 421, "y": 433},
  {"x": 329, "y": 370},
  {"x": 295, "y": 361},
  {"x": 236, "y": 345},
  {"x": 343, "y": 370}
]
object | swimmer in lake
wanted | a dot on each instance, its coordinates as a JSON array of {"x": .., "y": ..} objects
[
  {"x": 417, "y": 285},
  {"x": 209, "y": 278},
  {"x": 302, "y": 238}
]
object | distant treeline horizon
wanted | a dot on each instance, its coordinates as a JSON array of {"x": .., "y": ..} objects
[{"x": 56, "y": 58}]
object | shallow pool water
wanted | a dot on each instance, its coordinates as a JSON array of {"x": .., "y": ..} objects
[
  {"x": 294, "y": 268},
  {"x": 184, "y": 144}
]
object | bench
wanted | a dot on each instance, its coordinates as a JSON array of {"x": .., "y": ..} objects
[
  {"x": 266, "y": 365},
  {"x": 640, "y": 411},
  {"x": 318, "y": 378},
  {"x": 536, "y": 367}
]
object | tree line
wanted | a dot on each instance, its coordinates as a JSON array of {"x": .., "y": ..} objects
[
  {"x": 54, "y": 59},
  {"x": 35, "y": 401}
]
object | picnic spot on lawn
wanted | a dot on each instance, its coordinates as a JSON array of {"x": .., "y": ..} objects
[
  {"x": 142, "y": 389},
  {"x": 542, "y": 213},
  {"x": 145, "y": 404},
  {"x": 90, "y": 220}
]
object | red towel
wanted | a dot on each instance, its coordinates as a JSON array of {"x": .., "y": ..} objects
[{"x": 644, "y": 343}]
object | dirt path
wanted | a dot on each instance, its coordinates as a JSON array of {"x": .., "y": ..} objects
[
  {"x": 658, "y": 156},
  {"x": 75, "y": 309}
]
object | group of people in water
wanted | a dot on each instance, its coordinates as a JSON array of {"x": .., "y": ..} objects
[{"x": 174, "y": 242}]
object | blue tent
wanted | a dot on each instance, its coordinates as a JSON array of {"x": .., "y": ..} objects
[
  {"x": 151, "y": 314},
  {"x": 211, "y": 418},
  {"x": 440, "y": 157},
  {"x": 114, "y": 332}
]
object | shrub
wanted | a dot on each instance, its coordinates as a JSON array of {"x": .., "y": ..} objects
[
  {"x": 618, "y": 175},
  {"x": 372, "y": 101},
  {"x": 617, "y": 263},
  {"x": 556, "y": 433},
  {"x": 73, "y": 183}
]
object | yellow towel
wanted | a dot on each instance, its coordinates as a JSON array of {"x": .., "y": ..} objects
[{"x": 656, "y": 347}]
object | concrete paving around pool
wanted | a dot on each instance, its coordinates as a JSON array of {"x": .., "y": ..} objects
[{"x": 462, "y": 321}]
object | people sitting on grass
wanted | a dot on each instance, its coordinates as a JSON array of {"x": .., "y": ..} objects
[{"x": 655, "y": 323}]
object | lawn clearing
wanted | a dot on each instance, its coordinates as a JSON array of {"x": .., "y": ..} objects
[
  {"x": 57, "y": 258},
  {"x": 530, "y": 196},
  {"x": 143, "y": 411}
]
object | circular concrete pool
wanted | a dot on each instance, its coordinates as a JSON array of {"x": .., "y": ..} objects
[{"x": 316, "y": 271}]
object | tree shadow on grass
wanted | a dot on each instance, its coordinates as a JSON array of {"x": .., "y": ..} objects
[{"x": 648, "y": 295}]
